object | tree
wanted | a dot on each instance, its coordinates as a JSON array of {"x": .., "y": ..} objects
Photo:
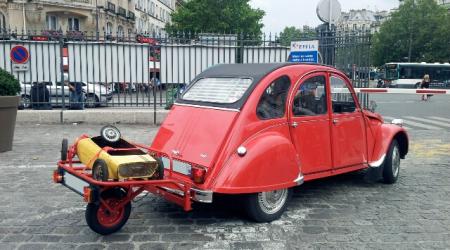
[
  {"x": 217, "y": 16},
  {"x": 418, "y": 31},
  {"x": 294, "y": 34}
]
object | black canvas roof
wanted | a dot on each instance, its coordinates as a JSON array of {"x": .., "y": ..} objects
[{"x": 254, "y": 71}]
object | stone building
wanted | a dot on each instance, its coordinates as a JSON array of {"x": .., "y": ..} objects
[
  {"x": 68, "y": 15},
  {"x": 115, "y": 17},
  {"x": 361, "y": 20},
  {"x": 152, "y": 15}
]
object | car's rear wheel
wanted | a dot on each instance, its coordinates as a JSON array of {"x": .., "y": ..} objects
[
  {"x": 267, "y": 206},
  {"x": 91, "y": 101},
  {"x": 103, "y": 221},
  {"x": 391, "y": 166},
  {"x": 25, "y": 101}
]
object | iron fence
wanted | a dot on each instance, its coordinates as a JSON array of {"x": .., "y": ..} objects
[{"x": 139, "y": 70}]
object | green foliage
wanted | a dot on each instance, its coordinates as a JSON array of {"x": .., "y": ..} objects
[
  {"x": 294, "y": 34},
  {"x": 217, "y": 16},
  {"x": 419, "y": 27},
  {"x": 9, "y": 85}
]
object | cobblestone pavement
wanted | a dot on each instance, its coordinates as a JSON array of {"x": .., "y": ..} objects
[{"x": 342, "y": 212}]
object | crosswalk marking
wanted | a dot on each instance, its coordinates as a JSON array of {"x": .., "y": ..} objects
[
  {"x": 440, "y": 118},
  {"x": 416, "y": 124},
  {"x": 443, "y": 124}
]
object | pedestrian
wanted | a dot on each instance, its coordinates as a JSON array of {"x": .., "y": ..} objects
[
  {"x": 425, "y": 85},
  {"x": 76, "y": 96}
]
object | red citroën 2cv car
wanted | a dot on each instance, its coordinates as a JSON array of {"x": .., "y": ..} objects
[{"x": 257, "y": 130}]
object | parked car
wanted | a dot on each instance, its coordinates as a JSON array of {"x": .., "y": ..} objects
[
  {"x": 95, "y": 94},
  {"x": 255, "y": 131}
]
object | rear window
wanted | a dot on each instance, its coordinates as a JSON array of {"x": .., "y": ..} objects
[{"x": 218, "y": 90}]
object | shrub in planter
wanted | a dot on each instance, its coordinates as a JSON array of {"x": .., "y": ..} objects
[
  {"x": 9, "y": 85},
  {"x": 9, "y": 101}
]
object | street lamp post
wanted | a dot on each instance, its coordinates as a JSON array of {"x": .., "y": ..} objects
[{"x": 96, "y": 20}]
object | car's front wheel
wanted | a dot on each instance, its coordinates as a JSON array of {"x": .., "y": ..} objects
[
  {"x": 391, "y": 166},
  {"x": 104, "y": 221},
  {"x": 267, "y": 206}
]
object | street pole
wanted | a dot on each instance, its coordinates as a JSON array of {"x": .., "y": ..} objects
[{"x": 96, "y": 20}]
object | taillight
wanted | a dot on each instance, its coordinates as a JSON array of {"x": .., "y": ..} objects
[
  {"x": 87, "y": 194},
  {"x": 57, "y": 177},
  {"x": 198, "y": 174}
]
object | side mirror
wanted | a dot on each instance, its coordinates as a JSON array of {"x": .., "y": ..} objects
[{"x": 372, "y": 106}]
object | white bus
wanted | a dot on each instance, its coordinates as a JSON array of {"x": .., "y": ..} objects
[{"x": 410, "y": 75}]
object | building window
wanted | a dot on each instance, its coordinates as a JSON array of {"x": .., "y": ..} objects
[
  {"x": 52, "y": 22},
  {"x": 120, "y": 31},
  {"x": 74, "y": 24},
  {"x": 2, "y": 22},
  {"x": 109, "y": 28}
]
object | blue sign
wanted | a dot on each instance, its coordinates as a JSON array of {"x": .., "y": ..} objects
[
  {"x": 304, "y": 56},
  {"x": 304, "y": 51}
]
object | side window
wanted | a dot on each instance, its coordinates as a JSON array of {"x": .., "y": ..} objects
[
  {"x": 273, "y": 101},
  {"x": 341, "y": 97},
  {"x": 311, "y": 97}
]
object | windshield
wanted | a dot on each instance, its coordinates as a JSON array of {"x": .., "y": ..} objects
[
  {"x": 217, "y": 90},
  {"x": 391, "y": 71}
]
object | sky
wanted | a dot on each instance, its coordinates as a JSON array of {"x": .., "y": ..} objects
[{"x": 282, "y": 13}]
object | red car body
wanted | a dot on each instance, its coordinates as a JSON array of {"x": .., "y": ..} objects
[{"x": 281, "y": 152}]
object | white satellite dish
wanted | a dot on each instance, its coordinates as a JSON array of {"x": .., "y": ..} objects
[{"x": 329, "y": 11}]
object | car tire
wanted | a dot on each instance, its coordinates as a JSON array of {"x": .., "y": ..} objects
[
  {"x": 103, "y": 221},
  {"x": 391, "y": 166},
  {"x": 91, "y": 101},
  {"x": 267, "y": 206},
  {"x": 110, "y": 133},
  {"x": 25, "y": 101},
  {"x": 64, "y": 149},
  {"x": 100, "y": 170}
]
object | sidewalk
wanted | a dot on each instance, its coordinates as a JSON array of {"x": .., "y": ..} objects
[{"x": 92, "y": 116}]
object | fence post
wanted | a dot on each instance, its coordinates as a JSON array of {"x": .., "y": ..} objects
[{"x": 61, "y": 65}]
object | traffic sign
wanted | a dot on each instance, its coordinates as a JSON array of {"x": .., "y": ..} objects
[
  {"x": 19, "y": 54},
  {"x": 304, "y": 51}
]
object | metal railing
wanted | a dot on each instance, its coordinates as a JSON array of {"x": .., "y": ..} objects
[{"x": 139, "y": 70}]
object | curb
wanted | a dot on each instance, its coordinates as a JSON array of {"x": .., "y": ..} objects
[{"x": 99, "y": 116}]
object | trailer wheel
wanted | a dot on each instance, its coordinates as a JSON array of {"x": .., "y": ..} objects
[
  {"x": 267, "y": 206},
  {"x": 64, "y": 148},
  {"x": 103, "y": 221}
]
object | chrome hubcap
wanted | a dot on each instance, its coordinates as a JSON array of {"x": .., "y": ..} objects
[
  {"x": 271, "y": 202},
  {"x": 395, "y": 161}
]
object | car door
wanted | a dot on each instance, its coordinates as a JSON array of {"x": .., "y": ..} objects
[
  {"x": 348, "y": 133},
  {"x": 310, "y": 124}
]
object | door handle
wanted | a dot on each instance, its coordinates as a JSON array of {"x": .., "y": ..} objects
[
  {"x": 294, "y": 124},
  {"x": 335, "y": 121}
]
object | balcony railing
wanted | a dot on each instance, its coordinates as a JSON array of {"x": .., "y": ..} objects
[
  {"x": 111, "y": 7},
  {"x": 122, "y": 12},
  {"x": 131, "y": 15}
]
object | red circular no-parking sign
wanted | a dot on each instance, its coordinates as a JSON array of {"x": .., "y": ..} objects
[{"x": 19, "y": 54}]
